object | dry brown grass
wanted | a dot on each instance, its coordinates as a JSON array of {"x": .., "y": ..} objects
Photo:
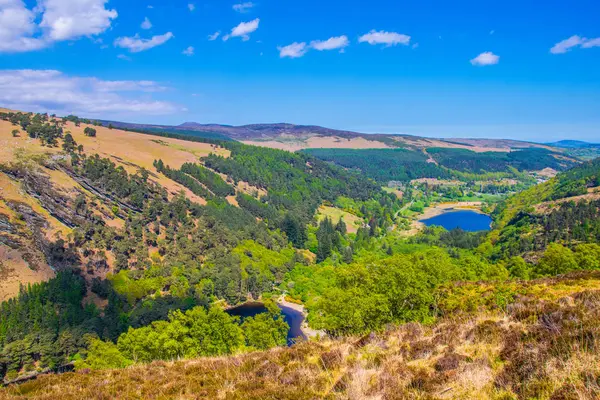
[
  {"x": 542, "y": 349},
  {"x": 129, "y": 149}
]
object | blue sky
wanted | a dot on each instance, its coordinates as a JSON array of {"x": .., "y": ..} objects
[{"x": 513, "y": 69}]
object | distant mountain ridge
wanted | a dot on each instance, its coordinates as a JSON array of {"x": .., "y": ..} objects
[
  {"x": 574, "y": 144},
  {"x": 295, "y": 137}
]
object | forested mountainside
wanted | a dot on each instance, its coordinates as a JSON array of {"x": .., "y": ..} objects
[
  {"x": 403, "y": 165},
  {"x": 565, "y": 209},
  {"x": 146, "y": 238}
]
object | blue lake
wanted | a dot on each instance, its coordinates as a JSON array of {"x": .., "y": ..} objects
[{"x": 467, "y": 220}]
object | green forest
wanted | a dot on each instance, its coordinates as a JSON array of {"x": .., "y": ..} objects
[{"x": 384, "y": 165}]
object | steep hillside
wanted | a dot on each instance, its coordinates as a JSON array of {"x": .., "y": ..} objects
[
  {"x": 514, "y": 340},
  {"x": 36, "y": 199},
  {"x": 566, "y": 210}
]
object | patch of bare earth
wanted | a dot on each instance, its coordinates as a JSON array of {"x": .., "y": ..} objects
[
  {"x": 319, "y": 142},
  {"x": 16, "y": 271}
]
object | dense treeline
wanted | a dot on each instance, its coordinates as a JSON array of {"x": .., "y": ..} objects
[
  {"x": 577, "y": 180},
  {"x": 371, "y": 292},
  {"x": 46, "y": 323},
  {"x": 212, "y": 181},
  {"x": 203, "y": 179},
  {"x": 184, "y": 179},
  {"x": 384, "y": 165},
  {"x": 570, "y": 222},
  {"x": 520, "y": 228},
  {"x": 194, "y": 333},
  {"x": 530, "y": 159},
  {"x": 295, "y": 182}
]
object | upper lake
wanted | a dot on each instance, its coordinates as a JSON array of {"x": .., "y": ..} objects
[{"x": 466, "y": 220}]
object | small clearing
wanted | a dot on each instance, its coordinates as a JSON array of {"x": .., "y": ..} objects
[{"x": 352, "y": 221}]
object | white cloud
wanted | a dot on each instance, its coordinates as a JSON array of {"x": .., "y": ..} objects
[
  {"x": 574, "y": 41},
  {"x": 146, "y": 24},
  {"x": 243, "y": 7},
  {"x": 332, "y": 43},
  {"x": 191, "y": 6},
  {"x": 189, "y": 51},
  {"x": 17, "y": 26},
  {"x": 214, "y": 36},
  {"x": 124, "y": 57},
  {"x": 566, "y": 45},
  {"x": 293, "y": 50},
  {"x": 70, "y": 19},
  {"x": 382, "y": 37},
  {"x": 136, "y": 44},
  {"x": 243, "y": 30},
  {"x": 59, "y": 20},
  {"x": 588, "y": 43},
  {"x": 485, "y": 58},
  {"x": 53, "y": 91}
]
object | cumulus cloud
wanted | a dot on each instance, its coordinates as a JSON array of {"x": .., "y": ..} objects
[
  {"x": 243, "y": 30},
  {"x": 136, "y": 44},
  {"x": 574, "y": 41},
  {"x": 69, "y": 19},
  {"x": 293, "y": 50},
  {"x": 214, "y": 36},
  {"x": 59, "y": 20},
  {"x": 485, "y": 58},
  {"x": 146, "y": 24},
  {"x": 53, "y": 91},
  {"x": 386, "y": 38},
  {"x": 189, "y": 51},
  {"x": 191, "y": 6},
  {"x": 17, "y": 26},
  {"x": 243, "y": 7},
  {"x": 333, "y": 43}
]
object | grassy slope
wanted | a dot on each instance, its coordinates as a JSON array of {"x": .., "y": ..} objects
[
  {"x": 131, "y": 150},
  {"x": 497, "y": 341}
]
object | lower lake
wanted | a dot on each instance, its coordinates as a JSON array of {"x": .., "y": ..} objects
[
  {"x": 293, "y": 317},
  {"x": 467, "y": 220}
]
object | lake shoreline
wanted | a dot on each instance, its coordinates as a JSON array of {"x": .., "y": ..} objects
[
  {"x": 307, "y": 331},
  {"x": 433, "y": 211},
  {"x": 442, "y": 208}
]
